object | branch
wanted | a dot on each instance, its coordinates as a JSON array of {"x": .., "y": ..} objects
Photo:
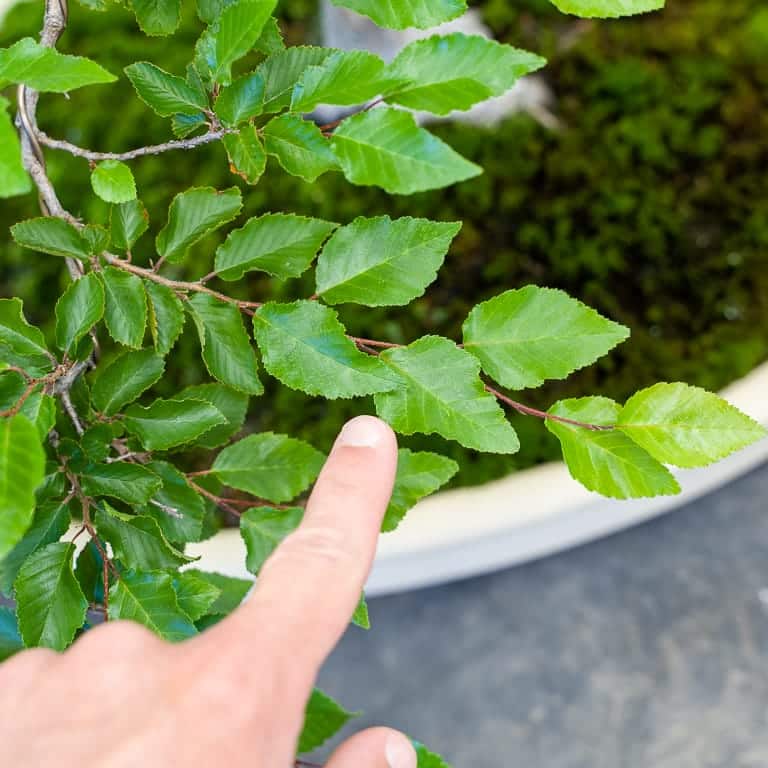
[
  {"x": 54, "y": 23},
  {"x": 155, "y": 149}
]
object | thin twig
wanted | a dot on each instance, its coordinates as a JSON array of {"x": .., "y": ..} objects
[
  {"x": 171, "y": 511},
  {"x": 14, "y": 409},
  {"x": 177, "y": 285},
  {"x": 328, "y": 127},
  {"x": 155, "y": 149},
  {"x": 66, "y": 401},
  {"x": 374, "y": 343},
  {"x": 230, "y": 505},
  {"x": 528, "y": 411}
]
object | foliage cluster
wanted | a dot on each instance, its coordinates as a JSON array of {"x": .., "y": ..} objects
[
  {"x": 92, "y": 436},
  {"x": 547, "y": 208}
]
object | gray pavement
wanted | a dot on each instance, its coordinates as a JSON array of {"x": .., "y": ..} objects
[{"x": 648, "y": 649}]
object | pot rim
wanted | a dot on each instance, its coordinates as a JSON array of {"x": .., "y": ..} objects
[{"x": 529, "y": 514}]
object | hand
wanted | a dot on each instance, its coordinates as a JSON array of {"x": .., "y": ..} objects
[{"x": 235, "y": 695}]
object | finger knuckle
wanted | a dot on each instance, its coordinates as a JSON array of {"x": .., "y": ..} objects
[{"x": 325, "y": 544}]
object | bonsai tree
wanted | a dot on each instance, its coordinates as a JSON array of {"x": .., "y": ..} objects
[{"x": 87, "y": 450}]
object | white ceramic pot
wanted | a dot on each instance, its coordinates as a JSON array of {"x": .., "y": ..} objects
[{"x": 536, "y": 512}]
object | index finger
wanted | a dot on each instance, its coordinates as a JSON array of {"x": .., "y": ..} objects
[{"x": 308, "y": 589}]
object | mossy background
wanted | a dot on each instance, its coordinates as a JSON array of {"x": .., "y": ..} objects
[{"x": 650, "y": 204}]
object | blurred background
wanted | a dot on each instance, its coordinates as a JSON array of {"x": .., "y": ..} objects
[
  {"x": 647, "y": 202},
  {"x": 642, "y": 191}
]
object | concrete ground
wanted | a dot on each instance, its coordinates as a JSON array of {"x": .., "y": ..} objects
[{"x": 648, "y": 649}]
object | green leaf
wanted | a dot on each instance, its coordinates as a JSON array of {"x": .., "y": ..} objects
[
  {"x": 427, "y": 759},
  {"x": 166, "y": 316},
  {"x": 125, "y": 311},
  {"x": 232, "y": 405},
  {"x": 271, "y": 38},
  {"x": 10, "y": 638},
  {"x": 195, "y": 595},
  {"x": 525, "y": 336},
  {"x": 282, "y": 244},
  {"x": 607, "y": 9},
  {"x": 14, "y": 179},
  {"x": 128, "y": 222},
  {"x": 181, "y": 515},
  {"x": 303, "y": 344},
  {"x": 12, "y": 386},
  {"x": 40, "y": 409},
  {"x": 239, "y": 102},
  {"x": 401, "y": 14},
  {"x": 233, "y": 591},
  {"x": 418, "y": 475},
  {"x": 386, "y": 148},
  {"x": 47, "y": 70},
  {"x": 607, "y": 461},
  {"x": 443, "y": 394},
  {"x": 273, "y": 467},
  {"x": 299, "y": 146},
  {"x": 50, "y": 605},
  {"x": 185, "y": 125},
  {"x": 51, "y": 235},
  {"x": 78, "y": 309},
  {"x": 149, "y": 599},
  {"x": 323, "y": 718},
  {"x": 262, "y": 529},
  {"x": 210, "y": 10},
  {"x": 137, "y": 540},
  {"x": 282, "y": 70},
  {"x": 246, "y": 154},
  {"x": 360, "y": 617},
  {"x": 227, "y": 351},
  {"x": 113, "y": 181},
  {"x": 379, "y": 262},
  {"x": 120, "y": 480},
  {"x": 21, "y": 343},
  {"x": 193, "y": 215},
  {"x": 96, "y": 441},
  {"x": 449, "y": 72},
  {"x": 686, "y": 426},
  {"x": 157, "y": 17},
  {"x": 163, "y": 92},
  {"x": 124, "y": 379},
  {"x": 344, "y": 78},
  {"x": 96, "y": 237},
  {"x": 239, "y": 27},
  {"x": 51, "y": 521},
  {"x": 168, "y": 423}
]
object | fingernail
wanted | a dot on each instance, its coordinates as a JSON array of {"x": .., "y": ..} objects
[
  {"x": 399, "y": 752},
  {"x": 362, "y": 432}
]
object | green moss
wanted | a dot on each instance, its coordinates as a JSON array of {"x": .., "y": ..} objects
[{"x": 648, "y": 204}]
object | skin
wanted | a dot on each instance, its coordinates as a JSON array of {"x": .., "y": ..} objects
[{"x": 235, "y": 695}]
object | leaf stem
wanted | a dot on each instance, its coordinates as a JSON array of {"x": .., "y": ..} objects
[{"x": 528, "y": 411}]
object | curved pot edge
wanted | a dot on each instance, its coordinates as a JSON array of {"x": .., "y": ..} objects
[{"x": 530, "y": 514}]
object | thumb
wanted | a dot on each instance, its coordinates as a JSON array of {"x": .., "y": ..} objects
[{"x": 375, "y": 748}]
